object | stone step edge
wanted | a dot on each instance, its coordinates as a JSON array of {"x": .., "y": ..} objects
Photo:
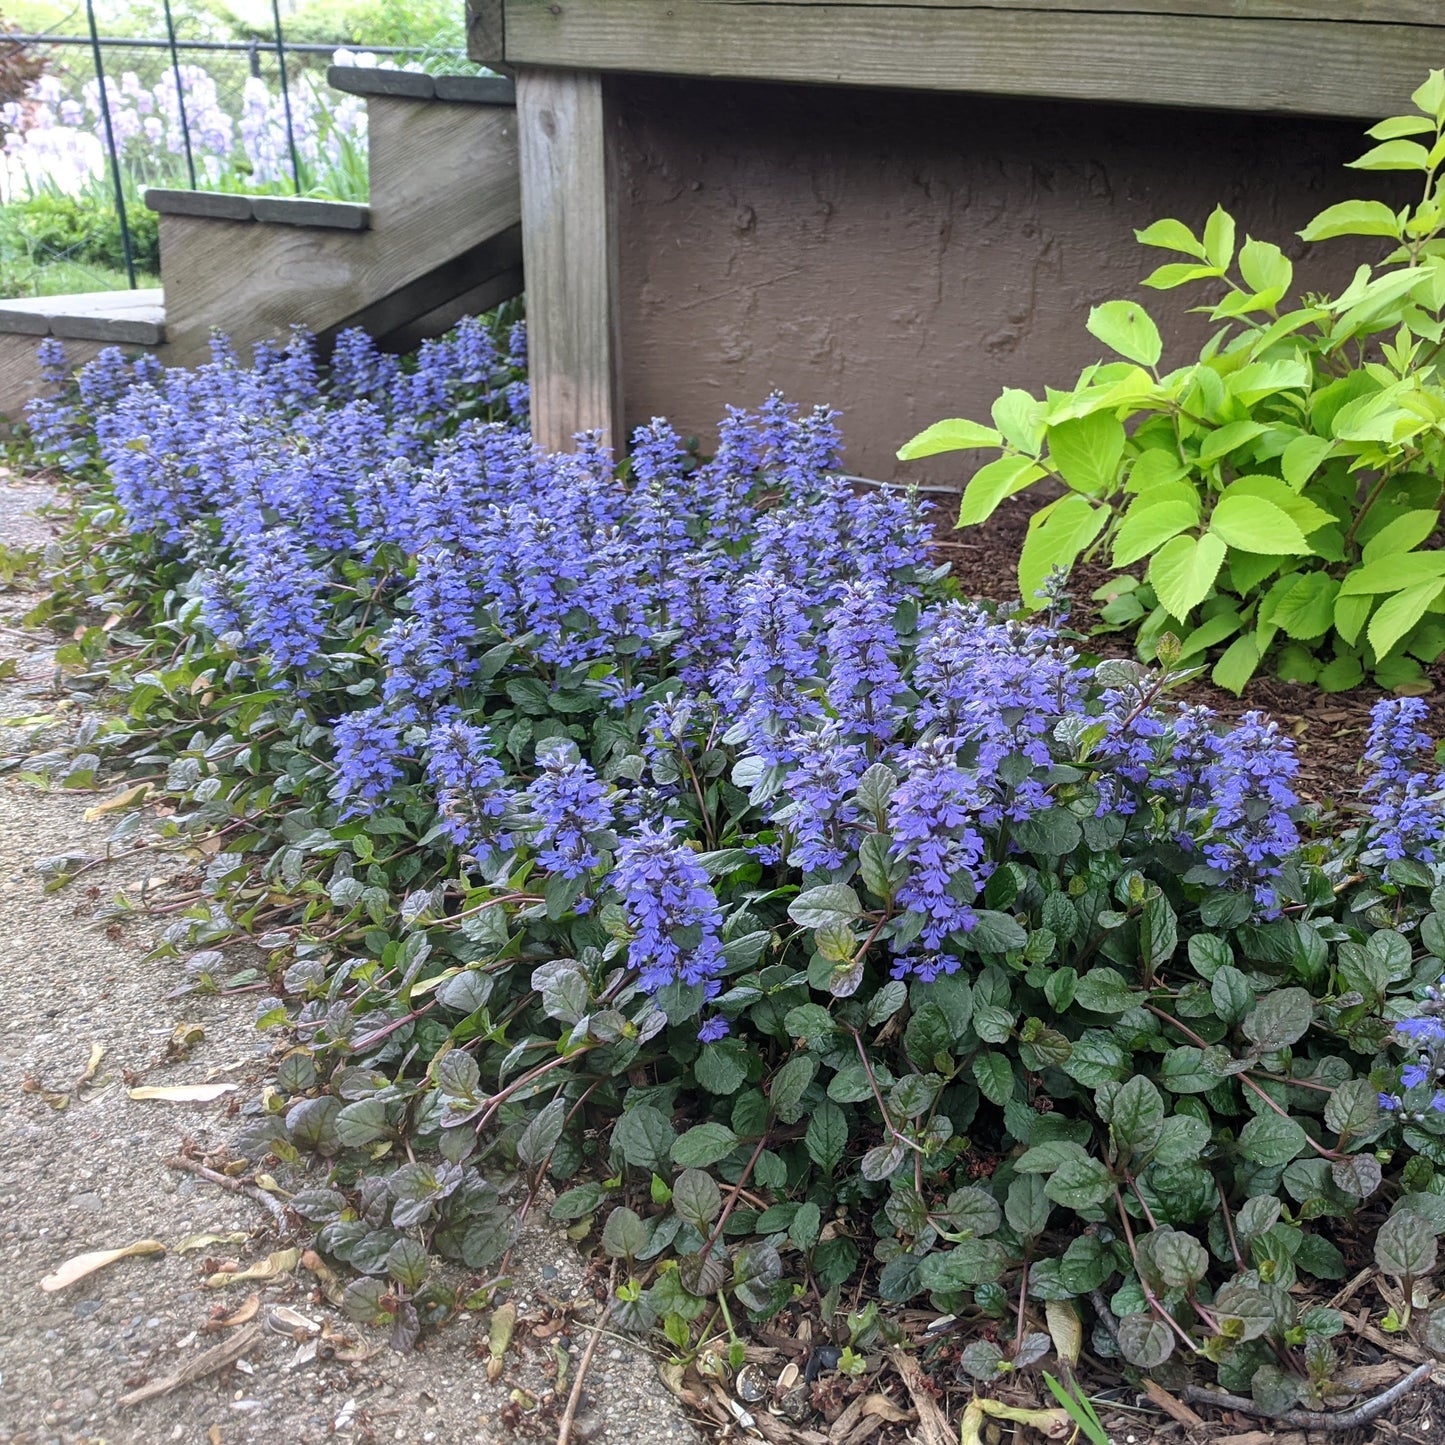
[
  {"x": 270, "y": 210},
  {"x": 417, "y": 85},
  {"x": 133, "y": 318}
]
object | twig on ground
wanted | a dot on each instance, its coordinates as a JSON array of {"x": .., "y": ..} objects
[
  {"x": 206, "y": 1363},
  {"x": 1314, "y": 1419},
  {"x": 236, "y": 1186},
  {"x": 574, "y": 1397},
  {"x": 933, "y": 1426}
]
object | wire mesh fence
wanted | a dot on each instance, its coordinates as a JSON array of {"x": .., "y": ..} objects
[{"x": 91, "y": 120}]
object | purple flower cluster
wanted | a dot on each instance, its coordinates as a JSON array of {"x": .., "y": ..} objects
[
  {"x": 1251, "y": 830},
  {"x": 571, "y": 806},
  {"x": 1407, "y": 816},
  {"x": 471, "y": 786},
  {"x": 672, "y": 911},
  {"x": 934, "y": 816}
]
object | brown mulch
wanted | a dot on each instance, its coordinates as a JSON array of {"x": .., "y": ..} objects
[{"x": 1328, "y": 728}]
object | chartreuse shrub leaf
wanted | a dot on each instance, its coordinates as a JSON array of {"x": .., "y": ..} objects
[
  {"x": 1125, "y": 327},
  {"x": 1285, "y": 448}
]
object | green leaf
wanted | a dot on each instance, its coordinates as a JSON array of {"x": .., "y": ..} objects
[
  {"x": 992, "y": 483},
  {"x": 829, "y": 903},
  {"x": 1353, "y": 218},
  {"x": 1281, "y": 1018},
  {"x": 789, "y": 1085},
  {"x": 1136, "y": 1117},
  {"x": 1019, "y": 417},
  {"x": 827, "y": 1136},
  {"x": 1301, "y": 459},
  {"x": 1146, "y": 528},
  {"x": 697, "y": 1198},
  {"x": 644, "y": 1135},
  {"x": 1231, "y": 994},
  {"x": 1145, "y": 1341},
  {"x": 1253, "y": 524},
  {"x": 624, "y": 1236},
  {"x": 1302, "y": 605},
  {"x": 953, "y": 435},
  {"x": 1171, "y": 235},
  {"x": 704, "y": 1144},
  {"x": 806, "y": 1226},
  {"x": 1396, "y": 615},
  {"x": 1080, "y": 1182},
  {"x": 1027, "y": 1207},
  {"x": 1394, "y": 574},
  {"x": 1219, "y": 238},
  {"x": 1056, "y": 535},
  {"x": 1403, "y": 534},
  {"x": 1429, "y": 96},
  {"x": 1266, "y": 270},
  {"x": 576, "y": 1203},
  {"x": 1182, "y": 1140},
  {"x": 1271, "y": 1140},
  {"x": 1125, "y": 327},
  {"x": 1183, "y": 572},
  {"x": 994, "y": 1077},
  {"x": 1406, "y": 1245},
  {"x": 1393, "y": 155},
  {"x": 1104, "y": 991},
  {"x": 1237, "y": 665},
  {"x": 720, "y": 1068},
  {"x": 1180, "y": 1258},
  {"x": 1087, "y": 451}
]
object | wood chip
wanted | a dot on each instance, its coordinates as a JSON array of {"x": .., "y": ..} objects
[
  {"x": 206, "y": 1363},
  {"x": 1175, "y": 1409},
  {"x": 1250, "y": 1437},
  {"x": 1402, "y": 1349},
  {"x": 933, "y": 1426}
]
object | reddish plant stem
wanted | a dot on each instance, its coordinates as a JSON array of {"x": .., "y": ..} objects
[
  {"x": 733, "y": 1196},
  {"x": 1246, "y": 1080},
  {"x": 1154, "y": 1302}
]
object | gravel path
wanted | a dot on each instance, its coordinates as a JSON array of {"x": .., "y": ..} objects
[{"x": 82, "y": 1167}]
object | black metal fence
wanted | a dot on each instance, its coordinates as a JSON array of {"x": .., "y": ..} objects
[{"x": 117, "y": 70}]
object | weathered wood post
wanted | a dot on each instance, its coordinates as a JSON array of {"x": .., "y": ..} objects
[{"x": 569, "y": 252}]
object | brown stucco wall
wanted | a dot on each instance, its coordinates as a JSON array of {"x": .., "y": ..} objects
[{"x": 906, "y": 256}]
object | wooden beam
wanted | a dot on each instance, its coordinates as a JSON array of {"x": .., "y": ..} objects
[
  {"x": 1380, "y": 12},
  {"x": 1314, "y": 67},
  {"x": 569, "y": 257},
  {"x": 486, "y": 32}
]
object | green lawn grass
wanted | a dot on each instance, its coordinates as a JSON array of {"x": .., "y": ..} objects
[{"x": 19, "y": 277}]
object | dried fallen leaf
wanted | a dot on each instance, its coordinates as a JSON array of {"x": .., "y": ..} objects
[
  {"x": 885, "y": 1409},
  {"x": 182, "y": 1093},
  {"x": 243, "y": 1312},
  {"x": 118, "y": 803},
  {"x": 97, "y": 1053},
  {"x": 283, "y": 1261},
  {"x": 84, "y": 1264},
  {"x": 207, "y": 1241},
  {"x": 499, "y": 1336},
  {"x": 1051, "y": 1424},
  {"x": 332, "y": 1285},
  {"x": 1064, "y": 1329}
]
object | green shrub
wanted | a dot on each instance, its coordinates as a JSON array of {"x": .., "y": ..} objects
[
  {"x": 83, "y": 229},
  {"x": 1285, "y": 488}
]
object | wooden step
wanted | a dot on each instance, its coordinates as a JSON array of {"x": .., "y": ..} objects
[
  {"x": 283, "y": 210},
  {"x": 415, "y": 85},
  {"x": 444, "y": 184},
  {"x": 87, "y": 322}
]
